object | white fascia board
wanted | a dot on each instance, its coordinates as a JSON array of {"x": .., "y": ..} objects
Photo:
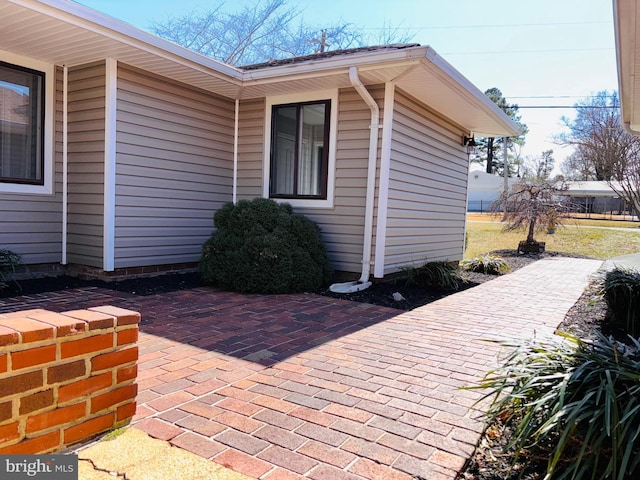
[{"x": 91, "y": 20}]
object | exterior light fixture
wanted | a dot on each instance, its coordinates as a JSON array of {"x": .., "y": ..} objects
[{"x": 470, "y": 143}]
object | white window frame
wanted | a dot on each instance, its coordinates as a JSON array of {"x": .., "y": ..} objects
[
  {"x": 48, "y": 145},
  {"x": 332, "y": 96}
]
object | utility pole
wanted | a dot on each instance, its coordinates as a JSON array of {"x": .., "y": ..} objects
[
  {"x": 505, "y": 160},
  {"x": 489, "y": 155},
  {"x": 322, "y": 42}
]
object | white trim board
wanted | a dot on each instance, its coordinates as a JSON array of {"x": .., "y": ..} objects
[{"x": 111, "y": 92}]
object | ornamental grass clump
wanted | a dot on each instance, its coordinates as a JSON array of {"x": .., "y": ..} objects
[
  {"x": 487, "y": 263},
  {"x": 260, "y": 246},
  {"x": 440, "y": 274},
  {"x": 574, "y": 403},
  {"x": 621, "y": 290}
]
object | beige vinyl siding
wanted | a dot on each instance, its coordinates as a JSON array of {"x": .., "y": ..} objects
[
  {"x": 86, "y": 125},
  {"x": 31, "y": 225},
  {"x": 343, "y": 225},
  {"x": 427, "y": 187},
  {"x": 174, "y": 168},
  {"x": 250, "y": 149}
]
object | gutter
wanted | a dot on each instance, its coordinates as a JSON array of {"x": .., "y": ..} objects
[{"x": 364, "y": 283}]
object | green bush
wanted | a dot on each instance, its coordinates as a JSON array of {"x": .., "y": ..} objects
[
  {"x": 10, "y": 263},
  {"x": 487, "y": 263},
  {"x": 574, "y": 403},
  {"x": 260, "y": 246},
  {"x": 440, "y": 274},
  {"x": 621, "y": 290}
]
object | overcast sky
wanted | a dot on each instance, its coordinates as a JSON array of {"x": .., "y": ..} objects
[{"x": 539, "y": 53}]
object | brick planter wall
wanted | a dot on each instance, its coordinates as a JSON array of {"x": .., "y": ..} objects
[{"x": 65, "y": 377}]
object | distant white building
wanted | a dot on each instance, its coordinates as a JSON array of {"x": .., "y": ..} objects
[
  {"x": 594, "y": 197},
  {"x": 484, "y": 189}
]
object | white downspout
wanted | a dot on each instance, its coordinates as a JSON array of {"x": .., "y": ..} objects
[
  {"x": 65, "y": 160},
  {"x": 235, "y": 152},
  {"x": 363, "y": 282}
]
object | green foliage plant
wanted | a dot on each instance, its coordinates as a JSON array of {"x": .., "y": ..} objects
[
  {"x": 577, "y": 404},
  {"x": 621, "y": 290},
  {"x": 440, "y": 274},
  {"x": 10, "y": 263},
  {"x": 260, "y": 246},
  {"x": 487, "y": 263}
]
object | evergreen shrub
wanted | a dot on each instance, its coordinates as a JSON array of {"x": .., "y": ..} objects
[{"x": 261, "y": 246}]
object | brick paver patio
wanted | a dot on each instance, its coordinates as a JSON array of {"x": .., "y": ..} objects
[{"x": 305, "y": 386}]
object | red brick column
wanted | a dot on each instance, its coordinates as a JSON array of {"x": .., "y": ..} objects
[{"x": 65, "y": 377}]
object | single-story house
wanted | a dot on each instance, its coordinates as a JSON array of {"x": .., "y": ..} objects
[
  {"x": 117, "y": 147},
  {"x": 593, "y": 197}
]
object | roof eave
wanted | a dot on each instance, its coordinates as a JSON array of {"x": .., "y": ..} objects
[
  {"x": 92, "y": 20},
  {"x": 468, "y": 89}
]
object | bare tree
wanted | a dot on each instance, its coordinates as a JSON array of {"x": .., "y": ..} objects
[
  {"x": 268, "y": 30},
  {"x": 577, "y": 167},
  {"x": 534, "y": 206},
  {"x": 539, "y": 168},
  {"x": 600, "y": 140},
  {"x": 389, "y": 34}
]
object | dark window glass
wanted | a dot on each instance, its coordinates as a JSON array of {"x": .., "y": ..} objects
[
  {"x": 299, "y": 153},
  {"x": 21, "y": 125}
]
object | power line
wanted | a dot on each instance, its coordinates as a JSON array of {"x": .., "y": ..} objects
[
  {"x": 508, "y": 52},
  {"x": 565, "y": 96},
  {"x": 565, "y": 106},
  {"x": 499, "y": 25}
]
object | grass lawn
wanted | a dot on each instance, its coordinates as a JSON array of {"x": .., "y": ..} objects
[
  {"x": 585, "y": 222},
  {"x": 574, "y": 238}
]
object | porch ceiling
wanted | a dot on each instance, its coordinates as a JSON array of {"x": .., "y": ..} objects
[{"x": 62, "y": 32}]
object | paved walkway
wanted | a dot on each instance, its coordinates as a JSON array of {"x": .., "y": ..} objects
[{"x": 304, "y": 386}]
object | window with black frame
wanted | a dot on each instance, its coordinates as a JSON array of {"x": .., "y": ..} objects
[
  {"x": 21, "y": 125},
  {"x": 299, "y": 150}
]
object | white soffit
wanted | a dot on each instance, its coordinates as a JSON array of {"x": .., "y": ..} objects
[{"x": 66, "y": 33}]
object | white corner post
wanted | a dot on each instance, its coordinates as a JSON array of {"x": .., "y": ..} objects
[
  {"x": 111, "y": 92},
  {"x": 65, "y": 160},
  {"x": 505, "y": 160},
  {"x": 383, "y": 187},
  {"x": 235, "y": 152}
]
